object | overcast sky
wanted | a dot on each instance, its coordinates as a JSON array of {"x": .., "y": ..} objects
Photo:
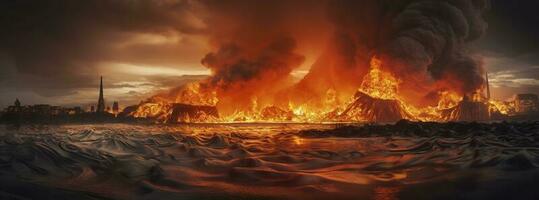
[
  {"x": 511, "y": 47},
  {"x": 54, "y": 51}
]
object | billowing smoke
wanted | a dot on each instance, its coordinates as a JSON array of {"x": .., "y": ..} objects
[
  {"x": 433, "y": 35},
  {"x": 242, "y": 78},
  {"x": 423, "y": 42},
  {"x": 255, "y": 45},
  {"x": 254, "y": 50},
  {"x": 232, "y": 64}
]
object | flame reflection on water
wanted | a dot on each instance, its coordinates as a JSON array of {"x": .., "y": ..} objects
[
  {"x": 386, "y": 193},
  {"x": 246, "y": 160}
]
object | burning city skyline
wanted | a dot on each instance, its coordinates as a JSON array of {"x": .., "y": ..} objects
[
  {"x": 254, "y": 55},
  {"x": 269, "y": 99}
]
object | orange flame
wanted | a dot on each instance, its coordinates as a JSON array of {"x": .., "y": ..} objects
[{"x": 377, "y": 84}]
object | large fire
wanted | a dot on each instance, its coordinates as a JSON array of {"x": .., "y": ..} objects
[
  {"x": 379, "y": 84},
  {"x": 377, "y": 100}
]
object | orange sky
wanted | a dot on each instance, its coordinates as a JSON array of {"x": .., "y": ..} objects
[{"x": 145, "y": 47}]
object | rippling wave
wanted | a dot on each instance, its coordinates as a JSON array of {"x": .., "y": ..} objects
[{"x": 270, "y": 161}]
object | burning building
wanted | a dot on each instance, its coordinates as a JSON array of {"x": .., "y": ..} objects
[
  {"x": 384, "y": 61},
  {"x": 115, "y": 107}
]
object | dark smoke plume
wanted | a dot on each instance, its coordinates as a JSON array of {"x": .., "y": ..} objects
[
  {"x": 253, "y": 43},
  {"x": 231, "y": 65},
  {"x": 422, "y": 42},
  {"x": 254, "y": 49},
  {"x": 433, "y": 35}
]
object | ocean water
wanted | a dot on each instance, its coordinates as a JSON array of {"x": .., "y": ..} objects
[{"x": 264, "y": 161}]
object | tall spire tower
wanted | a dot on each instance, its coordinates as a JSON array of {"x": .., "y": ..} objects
[{"x": 101, "y": 101}]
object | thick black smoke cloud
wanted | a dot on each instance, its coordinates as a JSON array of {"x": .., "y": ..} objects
[
  {"x": 418, "y": 39},
  {"x": 254, "y": 48},
  {"x": 425, "y": 42},
  {"x": 251, "y": 38},
  {"x": 230, "y": 64},
  {"x": 434, "y": 35}
]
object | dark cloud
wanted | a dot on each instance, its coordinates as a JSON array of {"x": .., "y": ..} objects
[
  {"x": 513, "y": 28},
  {"x": 255, "y": 47},
  {"x": 251, "y": 38},
  {"x": 416, "y": 37},
  {"x": 231, "y": 64},
  {"x": 424, "y": 43},
  {"x": 57, "y": 43},
  {"x": 52, "y": 47},
  {"x": 511, "y": 47},
  {"x": 509, "y": 75}
]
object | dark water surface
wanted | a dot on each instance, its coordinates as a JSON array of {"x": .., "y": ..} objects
[{"x": 269, "y": 161}]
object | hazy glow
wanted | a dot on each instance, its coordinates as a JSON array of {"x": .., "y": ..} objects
[
  {"x": 149, "y": 70},
  {"x": 299, "y": 73},
  {"x": 152, "y": 39},
  {"x": 510, "y": 78}
]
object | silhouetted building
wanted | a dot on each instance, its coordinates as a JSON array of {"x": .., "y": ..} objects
[
  {"x": 101, "y": 100},
  {"x": 17, "y": 103},
  {"x": 44, "y": 113},
  {"x": 16, "y": 108},
  {"x": 92, "y": 109},
  {"x": 73, "y": 111},
  {"x": 41, "y": 109},
  {"x": 57, "y": 110},
  {"x": 525, "y": 103},
  {"x": 115, "y": 108}
]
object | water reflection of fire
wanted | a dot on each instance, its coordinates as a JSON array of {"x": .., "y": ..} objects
[
  {"x": 376, "y": 100},
  {"x": 386, "y": 193}
]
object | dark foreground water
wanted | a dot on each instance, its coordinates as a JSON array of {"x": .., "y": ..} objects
[{"x": 270, "y": 161}]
